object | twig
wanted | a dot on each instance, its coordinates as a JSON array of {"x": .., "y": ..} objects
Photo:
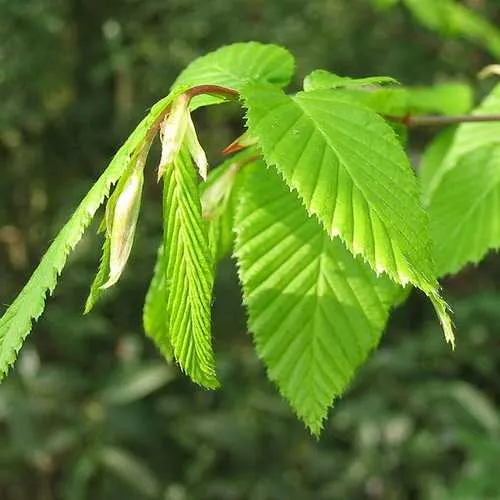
[{"x": 437, "y": 120}]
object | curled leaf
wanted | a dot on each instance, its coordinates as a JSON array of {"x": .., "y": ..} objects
[
  {"x": 121, "y": 223},
  {"x": 172, "y": 132},
  {"x": 195, "y": 149},
  {"x": 215, "y": 196}
]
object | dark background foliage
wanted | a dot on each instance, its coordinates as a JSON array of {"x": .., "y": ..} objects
[{"x": 91, "y": 411}]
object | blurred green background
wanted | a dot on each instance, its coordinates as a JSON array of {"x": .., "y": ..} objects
[{"x": 91, "y": 411}]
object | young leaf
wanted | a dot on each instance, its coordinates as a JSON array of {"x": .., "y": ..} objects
[
  {"x": 470, "y": 137},
  {"x": 315, "y": 311},
  {"x": 218, "y": 202},
  {"x": 122, "y": 231},
  {"x": 96, "y": 289},
  {"x": 464, "y": 210},
  {"x": 16, "y": 323},
  {"x": 444, "y": 99},
  {"x": 321, "y": 79},
  {"x": 350, "y": 171},
  {"x": 189, "y": 273},
  {"x": 155, "y": 318},
  {"x": 234, "y": 66},
  {"x": 433, "y": 158}
]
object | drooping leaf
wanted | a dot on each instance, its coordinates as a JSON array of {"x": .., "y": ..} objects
[
  {"x": 432, "y": 159},
  {"x": 321, "y": 79},
  {"x": 464, "y": 210},
  {"x": 350, "y": 171},
  {"x": 315, "y": 311},
  {"x": 189, "y": 273},
  {"x": 124, "y": 221},
  {"x": 155, "y": 316},
  {"x": 235, "y": 65},
  {"x": 470, "y": 137},
  {"x": 218, "y": 202},
  {"x": 103, "y": 274},
  {"x": 96, "y": 289},
  {"x": 16, "y": 323}
]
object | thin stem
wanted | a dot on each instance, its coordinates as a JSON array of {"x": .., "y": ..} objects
[
  {"x": 437, "y": 120},
  {"x": 217, "y": 90}
]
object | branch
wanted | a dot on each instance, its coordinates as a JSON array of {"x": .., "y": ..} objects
[{"x": 437, "y": 120}]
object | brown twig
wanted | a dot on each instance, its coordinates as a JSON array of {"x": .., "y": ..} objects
[
  {"x": 217, "y": 90},
  {"x": 438, "y": 120}
]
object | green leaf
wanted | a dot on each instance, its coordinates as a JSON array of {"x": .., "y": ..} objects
[
  {"x": 462, "y": 193},
  {"x": 218, "y": 201},
  {"x": 155, "y": 317},
  {"x": 433, "y": 158},
  {"x": 322, "y": 79},
  {"x": 16, "y": 323},
  {"x": 101, "y": 277},
  {"x": 470, "y": 137},
  {"x": 464, "y": 210},
  {"x": 445, "y": 99},
  {"x": 189, "y": 274},
  {"x": 315, "y": 311},
  {"x": 234, "y": 66},
  {"x": 350, "y": 171}
]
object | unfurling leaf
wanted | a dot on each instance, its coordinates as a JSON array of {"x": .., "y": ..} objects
[
  {"x": 15, "y": 324},
  {"x": 154, "y": 315},
  {"x": 123, "y": 220},
  {"x": 172, "y": 132},
  {"x": 195, "y": 149},
  {"x": 186, "y": 267},
  {"x": 216, "y": 195},
  {"x": 219, "y": 198}
]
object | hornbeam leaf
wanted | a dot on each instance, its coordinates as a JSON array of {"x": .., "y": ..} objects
[
  {"x": 315, "y": 311},
  {"x": 189, "y": 273},
  {"x": 469, "y": 137},
  {"x": 464, "y": 210},
  {"x": 16, "y": 323},
  {"x": 102, "y": 275},
  {"x": 432, "y": 160},
  {"x": 155, "y": 317},
  {"x": 349, "y": 170},
  {"x": 322, "y": 79},
  {"x": 234, "y": 66},
  {"x": 219, "y": 196},
  {"x": 444, "y": 99},
  {"x": 463, "y": 191}
]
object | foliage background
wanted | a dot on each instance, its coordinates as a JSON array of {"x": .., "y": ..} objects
[{"x": 90, "y": 410}]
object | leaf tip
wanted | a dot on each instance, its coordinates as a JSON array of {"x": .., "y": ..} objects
[{"x": 443, "y": 312}]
